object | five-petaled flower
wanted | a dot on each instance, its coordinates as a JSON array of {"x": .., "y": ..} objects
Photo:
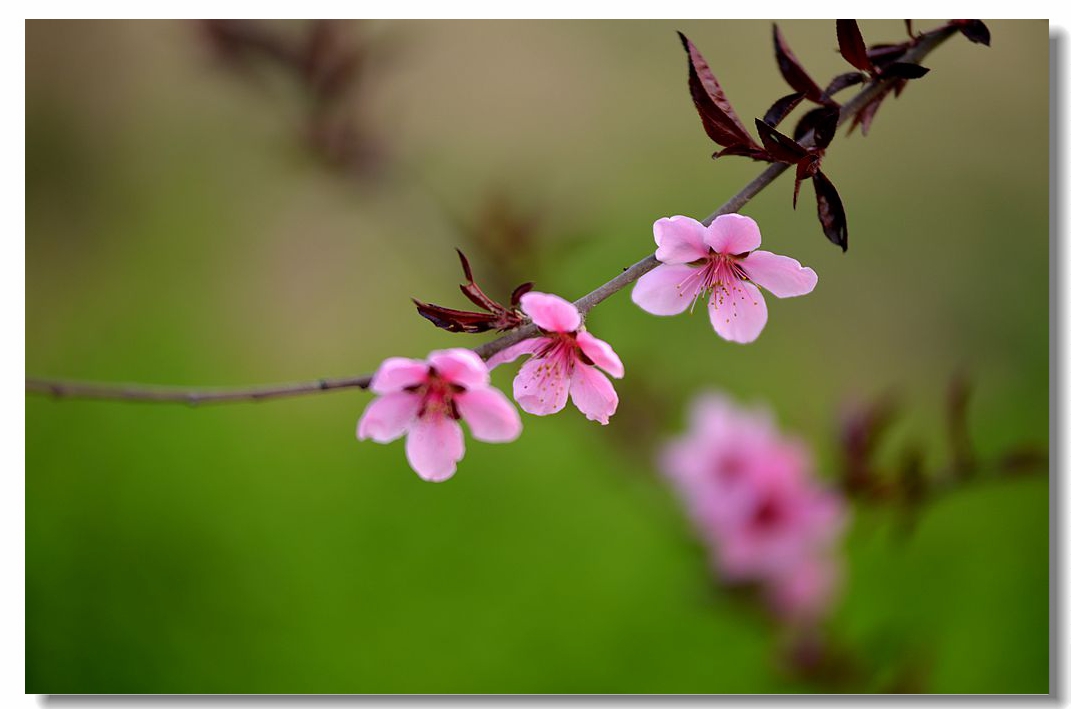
[
  {"x": 563, "y": 363},
  {"x": 426, "y": 400},
  {"x": 720, "y": 259}
]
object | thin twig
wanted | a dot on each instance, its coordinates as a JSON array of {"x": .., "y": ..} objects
[
  {"x": 138, "y": 392},
  {"x": 186, "y": 395}
]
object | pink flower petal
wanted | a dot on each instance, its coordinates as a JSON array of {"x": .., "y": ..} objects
[
  {"x": 551, "y": 312},
  {"x": 541, "y": 387},
  {"x": 460, "y": 366},
  {"x": 781, "y": 275},
  {"x": 397, "y": 373},
  {"x": 805, "y": 592},
  {"x": 524, "y": 347},
  {"x": 387, "y": 417},
  {"x": 667, "y": 289},
  {"x": 490, "y": 415},
  {"x": 680, "y": 240},
  {"x": 433, "y": 447},
  {"x": 600, "y": 353},
  {"x": 593, "y": 393},
  {"x": 733, "y": 234},
  {"x": 737, "y": 311}
]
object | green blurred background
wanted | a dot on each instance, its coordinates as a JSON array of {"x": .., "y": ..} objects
[{"x": 180, "y": 230}]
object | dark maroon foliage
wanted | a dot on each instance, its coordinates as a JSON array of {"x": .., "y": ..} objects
[
  {"x": 905, "y": 70},
  {"x": 807, "y": 123},
  {"x": 798, "y": 78},
  {"x": 974, "y": 30},
  {"x": 791, "y": 70},
  {"x": 907, "y": 483},
  {"x": 778, "y": 145},
  {"x": 719, "y": 119},
  {"x": 781, "y": 108},
  {"x": 841, "y": 82},
  {"x": 831, "y": 211},
  {"x": 865, "y": 116},
  {"x": 804, "y": 169},
  {"x": 825, "y": 125},
  {"x": 878, "y": 64},
  {"x": 852, "y": 46},
  {"x": 498, "y": 317}
]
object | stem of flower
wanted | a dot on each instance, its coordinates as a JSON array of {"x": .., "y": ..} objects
[{"x": 138, "y": 392}]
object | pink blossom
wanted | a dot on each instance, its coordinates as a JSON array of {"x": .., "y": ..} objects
[
  {"x": 563, "y": 363},
  {"x": 720, "y": 259},
  {"x": 785, "y": 519},
  {"x": 751, "y": 494},
  {"x": 804, "y": 592},
  {"x": 427, "y": 399}
]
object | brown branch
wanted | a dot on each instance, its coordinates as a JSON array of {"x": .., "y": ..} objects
[
  {"x": 185, "y": 395},
  {"x": 136, "y": 392}
]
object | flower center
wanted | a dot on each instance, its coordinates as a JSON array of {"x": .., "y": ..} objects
[
  {"x": 437, "y": 396},
  {"x": 769, "y": 515},
  {"x": 564, "y": 348},
  {"x": 713, "y": 272}
]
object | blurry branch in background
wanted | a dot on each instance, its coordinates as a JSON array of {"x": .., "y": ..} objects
[
  {"x": 876, "y": 89},
  {"x": 331, "y": 67},
  {"x": 327, "y": 64},
  {"x": 907, "y": 484}
]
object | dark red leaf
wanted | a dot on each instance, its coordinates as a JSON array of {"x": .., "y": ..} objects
[
  {"x": 865, "y": 117},
  {"x": 825, "y": 126},
  {"x": 807, "y": 123},
  {"x": 974, "y": 30},
  {"x": 898, "y": 87},
  {"x": 881, "y": 54},
  {"x": 805, "y": 169},
  {"x": 791, "y": 69},
  {"x": 465, "y": 267},
  {"x": 907, "y": 23},
  {"x": 778, "y": 145},
  {"x": 781, "y": 108},
  {"x": 842, "y": 82},
  {"x": 453, "y": 320},
  {"x": 749, "y": 151},
  {"x": 515, "y": 297},
  {"x": 830, "y": 211},
  {"x": 472, "y": 291},
  {"x": 497, "y": 317},
  {"x": 852, "y": 46},
  {"x": 866, "y": 114},
  {"x": 719, "y": 119},
  {"x": 905, "y": 70}
]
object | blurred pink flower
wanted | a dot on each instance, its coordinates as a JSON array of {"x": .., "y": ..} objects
[
  {"x": 804, "y": 592},
  {"x": 720, "y": 259},
  {"x": 785, "y": 519},
  {"x": 563, "y": 362},
  {"x": 426, "y": 400},
  {"x": 751, "y": 494}
]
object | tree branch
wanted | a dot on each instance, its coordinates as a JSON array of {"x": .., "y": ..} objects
[
  {"x": 186, "y": 395},
  {"x": 137, "y": 392}
]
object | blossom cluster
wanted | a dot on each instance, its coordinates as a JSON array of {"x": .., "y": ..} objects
[
  {"x": 427, "y": 400},
  {"x": 754, "y": 502}
]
